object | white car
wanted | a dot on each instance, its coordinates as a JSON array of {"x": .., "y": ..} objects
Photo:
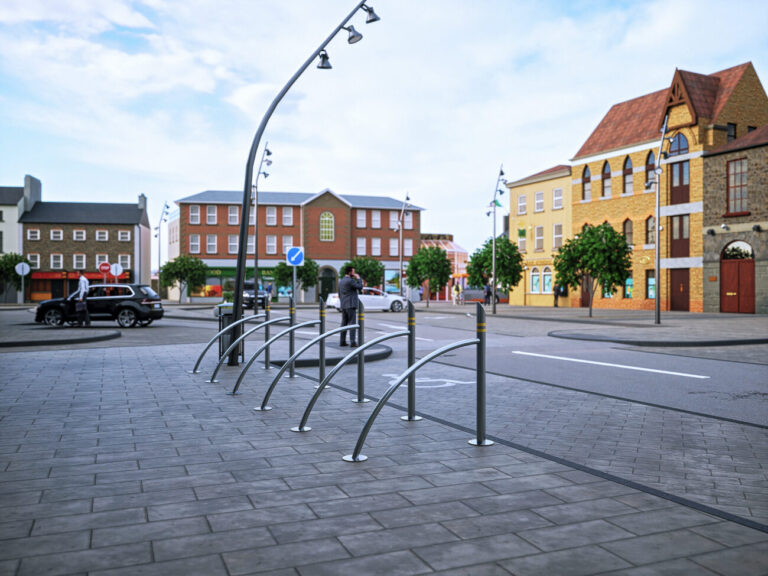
[{"x": 372, "y": 299}]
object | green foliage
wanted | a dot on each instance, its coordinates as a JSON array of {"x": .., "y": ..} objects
[
  {"x": 369, "y": 269},
  {"x": 509, "y": 264},
  {"x": 431, "y": 265},
  {"x": 7, "y": 268},
  {"x": 282, "y": 275},
  {"x": 306, "y": 276},
  {"x": 736, "y": 253},
  {"x": 600, "y": 255},
  {"x": 227, "y": 296},
  {"x": 188, "y": 271}
]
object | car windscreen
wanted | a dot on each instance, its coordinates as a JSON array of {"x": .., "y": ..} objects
[{"x": 148, "y": 292}]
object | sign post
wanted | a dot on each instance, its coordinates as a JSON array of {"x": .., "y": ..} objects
[
  {"x": 115, "y": 270},
  {"x": 104, "y": 268},
  {"x": 294, "y": 257},
  {"x": 22, "y": 269}
]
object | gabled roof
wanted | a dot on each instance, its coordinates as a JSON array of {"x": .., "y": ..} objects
[
  {"x": 550, "y": 173},
  {"x": 758, "y": 137},
  {"x": 84, "y": 213},
  {"x": 638, "y": 120},
  {"x": 10, "y": 195},
  {"x": 294, "y": 199}
]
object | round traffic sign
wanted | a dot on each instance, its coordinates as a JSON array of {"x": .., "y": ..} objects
[
  {"x": 116, "y": 270},
  {"x": 295, "y": 256},
  {"x": 22, "y": 268},
  {"x": 104, "y": 267}
]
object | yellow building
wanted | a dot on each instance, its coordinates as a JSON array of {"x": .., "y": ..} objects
[
  {"x": 614, "y": 173},
  {"x": 539, "y": 222}
]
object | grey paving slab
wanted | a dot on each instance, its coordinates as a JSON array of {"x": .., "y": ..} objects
[
  {"x": 660, "y": 547},
  {"x": 572, "y": 562},
  {"x": 403, "y": 563}
]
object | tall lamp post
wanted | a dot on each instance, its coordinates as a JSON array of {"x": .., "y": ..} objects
[
  {"x": 657, "y": 264},
  {"x": 255, "y": 198},
  {"x": 400, "y": 245},
  {"x": 494, "y": 203},
  {"x": 158, "y": 231},
  {"x": 324, "y": 64}
]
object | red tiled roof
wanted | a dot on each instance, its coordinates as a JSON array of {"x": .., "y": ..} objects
[
  {"x": 638, "y": 120},
  {"x": 541, "y": 175},
  {"x": 758, "y": 137}
]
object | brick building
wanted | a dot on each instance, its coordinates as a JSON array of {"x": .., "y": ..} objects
[
  {"x": 332, "y": 228},
  {"x": 614, "y": 169},
  {"x": 736, "y": 216}
]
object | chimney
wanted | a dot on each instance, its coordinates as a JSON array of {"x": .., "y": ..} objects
[
  {"x": 33, "y": 192},
  {"x": 142, "y": 202}
]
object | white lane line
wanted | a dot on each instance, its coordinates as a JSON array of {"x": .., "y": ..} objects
[
  {"x": 402, "y": 327},
  {"x": 683, "y": 374},
  {"x": 307, "y": 333}
]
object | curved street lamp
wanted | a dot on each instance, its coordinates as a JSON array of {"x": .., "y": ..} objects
[
  {"x": 494, "y": 203},
  {"x": 354, "y": 37}
]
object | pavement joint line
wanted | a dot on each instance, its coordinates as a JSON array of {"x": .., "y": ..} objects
[{"x": 581, "y": 467}]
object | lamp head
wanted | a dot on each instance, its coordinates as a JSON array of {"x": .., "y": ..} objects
[
  {"x": 724, "y": 226},
  {"x": 372, "y": 16},
  {"x": 268, "y": 162},
  {"x": 354, "y": 35},
  {"x": 267, "y": 151},
  {"x": 324, "y": 63},
  {"x": 264, "y": 174}
]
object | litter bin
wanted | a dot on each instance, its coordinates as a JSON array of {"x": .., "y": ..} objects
[{"x": 224, "y": 312}]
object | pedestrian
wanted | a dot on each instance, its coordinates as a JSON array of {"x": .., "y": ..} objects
[
  {"x": 456, "y": 293},
  {"x": 349, "y": 287},
  {"x": 81, "y": 306},
  {"x": 487, "y": 294},
  {"x": 556, "y": 290}
]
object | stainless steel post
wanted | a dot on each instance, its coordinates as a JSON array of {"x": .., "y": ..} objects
[
  {"x": 481, "y": 333},
  {"x": 321, "y": 351},
  {"x": 411, "y": 417},
  {"x": 291, "y": 341},
  {"x": 361, "y": 399},
  {"x": 266, "y": 330}
]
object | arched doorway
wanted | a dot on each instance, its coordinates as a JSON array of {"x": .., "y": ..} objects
[
  {"x": 327, "y": 282},
  {"x": 737, "y": 278}
]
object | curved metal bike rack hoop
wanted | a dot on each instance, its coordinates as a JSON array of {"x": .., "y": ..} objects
[
  {"x": 218, "y": 334},
  {"x": 232, "y": 346},
  {"x": 301, "y": 350},
  {"x": 356, "y": 456},
  {"x": 302, "y": 427},
  {"x": 266, "y": 346}
]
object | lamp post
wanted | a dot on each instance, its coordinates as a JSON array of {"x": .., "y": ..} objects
[
  {"x": 494, "y": 203},
  {"x": 163, "y": 218},
  {"x": 657, "y": 264},
  {"x": 255, "y": 198},
  {"x": 400, "y": 245},
  {"x": 324, "y": 64}
]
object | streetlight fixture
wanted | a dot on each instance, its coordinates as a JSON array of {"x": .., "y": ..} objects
[
  {"x": 163, "y": 218},
  {"x": 494, "y": 203},
  {"x": 399, "y": 228},
  {"x": 324, "y": 63},
  {"x": 255, "y": 191},
  {"x": 657, "y": 264}
]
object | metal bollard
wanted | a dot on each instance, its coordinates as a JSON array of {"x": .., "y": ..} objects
[
  {"x": 321, "y": 351},
  {"x": 361, "y": 399},
  {"x": 481, "y": 440},
  {"x": 291, "y": 340},
  {"x": 411, "y": 417},
  {"x": 266, "y": 332}
]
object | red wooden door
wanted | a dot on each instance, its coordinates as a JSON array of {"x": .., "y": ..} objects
[
  {"x": 737, "y": 286},
  {"x": 585, "y": 281},
  {"x": 679, "y": 289},
  {"x": 679, "y": 242},
  {"x": 747, "y": 286}
]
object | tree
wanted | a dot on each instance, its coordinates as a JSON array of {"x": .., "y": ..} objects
[
  {"x": 599, "y": 256},
  {"x": 188, "y": 271},
  {"x": 306, "y": 275},
  {"x": 431, "y": 265},
  {"x": 509, "y": 264},
  {"x": 8, "y": 269},
  {"x": 369, "y": 269}
]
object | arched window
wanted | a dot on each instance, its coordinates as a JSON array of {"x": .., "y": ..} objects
[
  {"x": 627, "y": 175},
  {"x": 679, "y": 145},
  {"x": 650, "y": 230},
  {"x": 650, "y": 169},
  {"x": 586, "y": 184},
  {"x": 605, "y": 191},
  {"x": 627, "y": 230},
  {"x": 546, "y": 281},
  {"x": 327, "y": 227},
  {"x": 535, "y": 281}
]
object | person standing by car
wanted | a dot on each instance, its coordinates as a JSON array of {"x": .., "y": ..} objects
[
  {"x": 349, "y": 288},
  {"x": 82, "y": 296},
  {"x": 487, "y": 294}
]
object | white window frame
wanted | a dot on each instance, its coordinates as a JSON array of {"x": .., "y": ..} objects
[
  {"x": 287, "y": 215},
  {"x": 538, "y": 239},
  {"x": 194, "y": 243},
  {"x": 535, "y": 274},
  {"x": 360, "y": 219},
  {"x": 360, "y": 248},
  {"x": 211, "y": 241},
  {"x": 393, "y": 216},
  {"x": 123, "y": 235},
  {"x": 102, "y": 235},
  {"x": 124, "y": 260},
  {"x": 101, "y": 258},
  {"x": 233, "y": 215},
  {"x": 271, "y": 218},
  {"x": 33, "y": 234},
  {"x": 211, "y": 214},
  {"x": 271, "y": 244},
  {"x": 408, "y": 247},
  {"x": 557, "y": 239},
  {"x": 233, "y": 240},
  {"x": 538, "y": 201},
  {"x": 252, "y": 215},
  {"x": 287, "y": 243},
  {"x": 79, "y": 235},
  {"x": 194, "y": 214},
  {"x": 251, "y": 248},
  {"x": 521, "y": 245},
  {"x": 408, "y": 220},
  {"x": 557, "y": 199},
  {"x": 522, "y": 204},
  {"x": 34, "y": 261},
  {"x": 375, "y": 219},
  {"x": 375, "y": 246},
  {"x": 393, "y": 247},
  {"x": 78, "y": 261},
  {"x": 327, "y": 234},
  {"x": 57, "y": 234},
  {"x": 57, "y": 261}
]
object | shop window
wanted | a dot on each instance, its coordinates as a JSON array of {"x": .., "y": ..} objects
[
  {"x": 546, "y": 281},
  {"x": 535, "y": 281},
  {"x": 650, "y": 284},
  {"x": 628, "y": 283}
]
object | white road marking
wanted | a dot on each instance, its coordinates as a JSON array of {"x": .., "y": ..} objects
[
  {"x": 446, "y": 382},
  {"x": 307, "y": 333},
  {"x": 402, "y": 328},
  {"x": 683, "y": 374}
]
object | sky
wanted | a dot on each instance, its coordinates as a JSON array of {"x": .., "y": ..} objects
[{"x": 103, "y": 100}]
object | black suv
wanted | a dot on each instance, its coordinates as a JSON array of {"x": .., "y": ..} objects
[
  {"x": 129, "y": 304},
  {"x": 249, "y": 296}
]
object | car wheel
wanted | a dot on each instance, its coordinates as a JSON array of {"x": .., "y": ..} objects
[
  {"x": 126, "y": 318},
  {"x": 397, "y": 306},
  {"x": 143, "y": 323},
  {"x": 53, "y": 317}
]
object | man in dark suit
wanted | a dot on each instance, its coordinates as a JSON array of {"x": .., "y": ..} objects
[{"x": 349, "y": 287}]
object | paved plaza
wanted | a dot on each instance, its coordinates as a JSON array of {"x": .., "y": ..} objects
[{"x": 117, "y": 461}]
